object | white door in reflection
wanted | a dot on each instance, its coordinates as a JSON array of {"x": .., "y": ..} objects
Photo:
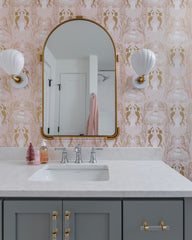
[{"x": 73, "y": 103}]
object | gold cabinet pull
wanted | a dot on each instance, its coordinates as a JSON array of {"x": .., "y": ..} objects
[
  {"x": 67, "y": 225},
  {"x": 54, "y": 224},
  {"x": 160, "y": 227}
]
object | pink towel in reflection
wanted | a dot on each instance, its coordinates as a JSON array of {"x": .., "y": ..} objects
[{"x": 92, "y": 122}]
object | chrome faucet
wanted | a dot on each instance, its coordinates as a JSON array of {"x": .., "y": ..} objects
[
  {"x": 64, "y": 158},
  {"x": 93, "y": 155},
  {"x": 78, "y": 154}
]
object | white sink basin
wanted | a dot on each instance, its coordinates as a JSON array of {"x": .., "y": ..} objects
[{"x": 71, "y": 172}]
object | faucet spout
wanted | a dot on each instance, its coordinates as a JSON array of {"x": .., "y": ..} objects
[{"x": 78, "y": 154}]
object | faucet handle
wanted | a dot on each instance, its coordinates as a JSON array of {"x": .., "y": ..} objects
[
  {"x": 93, "y": 155},
  {"x": 64, "y": 158},
  {"x": 78, "y": 148}
]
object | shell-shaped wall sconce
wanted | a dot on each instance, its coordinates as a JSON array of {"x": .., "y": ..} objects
[
  {"x": 12, "y": 62},
  {"x": 142, "y": 62}
]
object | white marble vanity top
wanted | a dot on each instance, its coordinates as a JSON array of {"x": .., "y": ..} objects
[{"x": 127, "y": 178}]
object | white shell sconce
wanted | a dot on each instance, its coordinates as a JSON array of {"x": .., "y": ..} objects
[
  {"x": 142, "y": 62},
  {"x": 12, "y": 62}
]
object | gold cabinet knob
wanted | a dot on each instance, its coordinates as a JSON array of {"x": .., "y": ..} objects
[
  {"x": 162, "y": 224},
  {"x": 67, "y": 232},
  {"x": 67, "y": 214},
  {"x": 54, "y": 215},
  {"x": 146, "y": 227},
  {"x": 54, "y": 235}
]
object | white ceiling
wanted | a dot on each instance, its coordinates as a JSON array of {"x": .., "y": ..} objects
[{"x": 81, "y": 38}]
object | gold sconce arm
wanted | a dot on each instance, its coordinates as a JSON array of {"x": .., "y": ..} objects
[{"x": 16, "y": 78}]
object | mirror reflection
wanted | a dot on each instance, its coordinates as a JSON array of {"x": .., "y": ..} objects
[{"x": 79, "y": 81}]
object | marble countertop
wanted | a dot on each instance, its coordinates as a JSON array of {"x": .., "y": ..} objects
[{"x": 137, "y": 179}]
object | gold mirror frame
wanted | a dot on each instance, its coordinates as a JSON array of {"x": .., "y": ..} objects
[{"x": 42, "y": 60}]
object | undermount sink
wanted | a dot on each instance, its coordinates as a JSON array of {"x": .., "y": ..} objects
[{"x": 71, "y": 172}]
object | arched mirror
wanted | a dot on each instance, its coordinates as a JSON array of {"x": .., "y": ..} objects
[{"x": 79, "y": 81}]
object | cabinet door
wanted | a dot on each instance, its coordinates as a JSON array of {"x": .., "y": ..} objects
[
  {"x": 153, "y": 213},
  {"x": 1, "y": 222},
  {"x": 29, "y": 220},
  {"x": 92, "y": 220}
]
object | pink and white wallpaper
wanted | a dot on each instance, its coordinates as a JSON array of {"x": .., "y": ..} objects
[{"x": 160, "y": 115}]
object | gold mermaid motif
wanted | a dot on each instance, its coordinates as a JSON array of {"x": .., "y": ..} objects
[
  {"x": 173, "y": 110},
  {"x": 17, "y": 17},
  {"x": 159, "y": 76},
  {"x": 179, "y": 167},
  {"x": 150, "y": 136},
  {"x": 3, "y": 111},
  {"x": 2, "y": 47},
  {"x": 173, "y": 50},
  {"x": 137, "y": 113},
  {"x": 133, "y": 108},
  {"x": 155, "y": 131},
  {"x": 181, "y": 3},
  {"x": 115, "y": 14},
  {"x": 128, "y": 54},
  {"x": 150, "y": 78},
  {"x": 25, "y": 14},
  {"x": 50, "y": 3},
  {"x": 5, "y": 3},
  {"x": 150, "y": 18},
  {"x": 61, "y": 16},
  {"x": 159, "y": 135},
  {"x": 39, "y": 3},
  {"x": 135, "y": 48},
  {"x": 159, "y": 18},
  {"x": 181, "y": 52},
  {"x": 38, "y": 113},
  {"x": 127, "y": 1},
  {"x": 181, "y": 112},
  {"x": 26, "y": 17},
  {"x": 92, "y": 3},
  {"x": 138, "y": 3},
  {"x": 70, "y": 13},
  {"x": 106, "y": 17},
  {"x": 16, "y": 135},
  {"x": 25, "y": 134},
  {"x": 179, "y": 109},
  {"x": 128, "y": 112}
]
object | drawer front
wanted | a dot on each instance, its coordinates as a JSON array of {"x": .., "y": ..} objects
[{"x": 153, "y": 213}]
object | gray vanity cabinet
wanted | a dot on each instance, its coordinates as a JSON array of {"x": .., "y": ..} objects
[
  {"x": 29, "y": 220},
  {"x": 85, "y": 220},
  {"x": 1, "y": 220},
  {"x": 153, "y": 220}
]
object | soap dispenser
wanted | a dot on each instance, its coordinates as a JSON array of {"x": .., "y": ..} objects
[{"x": 44, "y": 152}]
